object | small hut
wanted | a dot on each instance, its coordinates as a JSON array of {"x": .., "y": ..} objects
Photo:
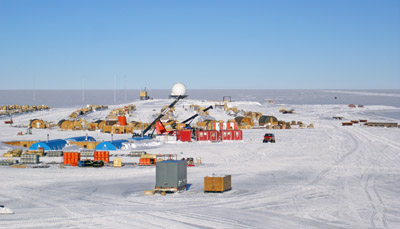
[
  {"x": 80, "y": 124},
  {"x": 66, "y": 124},
  {"x": 244, "y": 122},
  {"x": 38, "y": 124},
  {"x": 265, "y": 119}
]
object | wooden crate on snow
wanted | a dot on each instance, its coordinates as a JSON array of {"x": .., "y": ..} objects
[{"x": 217, "y": 183}]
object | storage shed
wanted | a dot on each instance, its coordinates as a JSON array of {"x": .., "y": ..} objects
[
  {"x": 217, "y": 183},
  {"x": 110, "y": 145},
  {"x": 56, "y": 144},
  {"x": 171, "y": 175}
]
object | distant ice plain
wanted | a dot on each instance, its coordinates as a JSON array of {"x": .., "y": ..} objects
[{"x": 79, "y": 98}]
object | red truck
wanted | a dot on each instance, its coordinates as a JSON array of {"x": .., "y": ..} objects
[
  {"x": 268, "y": 137},
  {"x": 9, "y": 121}
]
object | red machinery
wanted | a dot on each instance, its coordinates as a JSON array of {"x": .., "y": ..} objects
[{"x": 9, "y": 121}]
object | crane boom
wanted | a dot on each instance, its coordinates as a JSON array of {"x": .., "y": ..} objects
[
  {"x": 162, "y": 114},
  {"x": 194, "y": 116}
]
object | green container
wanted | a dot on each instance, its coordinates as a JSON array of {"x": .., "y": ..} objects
[{"x": 171, "y": 175}]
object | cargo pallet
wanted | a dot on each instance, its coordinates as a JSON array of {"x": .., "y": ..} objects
[
  {"x": 40, "y": 166},
  {"x": 169, "y": 190},
  {"x": 218, "y": 191}
]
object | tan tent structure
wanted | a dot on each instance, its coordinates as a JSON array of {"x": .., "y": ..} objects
[
  {"x": 206, "y": 124},
  {"x": 244, "y": 122},
  {"x": 38, "y": 124},
  {"x": 65, "y": 124},
  {"x": 265, "y": 119},
  {"x": 79, "y": 124}
]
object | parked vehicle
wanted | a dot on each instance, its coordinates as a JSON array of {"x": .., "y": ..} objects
[
  {"x": 268, "y": 137},
  {"x": 5, "y": 210}
]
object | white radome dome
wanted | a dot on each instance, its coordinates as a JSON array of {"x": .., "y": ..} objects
[{"x": 178, "y": 89}]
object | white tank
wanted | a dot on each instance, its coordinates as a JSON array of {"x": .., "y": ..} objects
[{"x": 178, "y": 89}]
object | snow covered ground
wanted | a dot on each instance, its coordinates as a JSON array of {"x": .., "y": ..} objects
[{"x": 327, "y": 177}]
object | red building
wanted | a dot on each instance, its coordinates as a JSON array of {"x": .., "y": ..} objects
[{"x": 184, "y": 135}]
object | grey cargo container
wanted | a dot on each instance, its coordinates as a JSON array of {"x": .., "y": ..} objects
[{"x": 171, "y": 175}]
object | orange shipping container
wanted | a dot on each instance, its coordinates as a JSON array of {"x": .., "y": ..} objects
[
  {"x": 71, "y": 158},
  {"x": 122, "y": 120},
  {"x": 102, "y": 156}
]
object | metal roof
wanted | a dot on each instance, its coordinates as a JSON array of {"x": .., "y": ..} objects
[
  {"x": 172, "y": 161},
  {"x": 56, "y": 144},
  {"x": 110, "y": 145},
  {"x": 141, "y": 138},
  {"x": 81, "y": 139}
]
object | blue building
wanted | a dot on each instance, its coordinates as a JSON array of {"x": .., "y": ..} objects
[
  {"x": 56, "y": 144},
  {"x": 141, "y": 138},
  {"x": 110, "y": 145},
  {"x": 81, "y": 139}
]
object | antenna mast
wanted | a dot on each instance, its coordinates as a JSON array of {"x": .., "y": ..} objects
[
  {"x": 115, "y": 86},
  {"x": 83, "y": 90},
  {"x": 125, "y": 87}
]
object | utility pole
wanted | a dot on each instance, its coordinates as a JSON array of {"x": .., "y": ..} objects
[
  {"x": 115, "y": 88},
  {"x": 83, "y": 90}
]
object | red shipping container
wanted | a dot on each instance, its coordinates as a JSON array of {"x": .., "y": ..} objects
[
  {"x": 184, "y": 135},
  {"x": 218, "y": 126},
  {"x": 214, "y": 135},
  {"x": 232, "y": 125},
  {"x": 202, "y": 135},
  {"x": 238, "y": 135},
  {"x": 227, "y": 135}
]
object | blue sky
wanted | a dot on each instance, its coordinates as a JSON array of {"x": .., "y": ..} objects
[{"x": 288, "y": 44}]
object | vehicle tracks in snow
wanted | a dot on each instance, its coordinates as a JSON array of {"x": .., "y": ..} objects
[
  {"x": 375, "y": 164},
  {"x": 356, "y": 157}
]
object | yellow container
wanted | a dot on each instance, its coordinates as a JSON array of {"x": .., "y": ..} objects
[
  {"x": 198, "y": 160},
  {"x": 143, "y": 94},
  {"x": 7, "y": 155},
  {"x": 217, "y": 183},
  {"x": 18, "y": 166},
  {"x": 117, "y": 162}
]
